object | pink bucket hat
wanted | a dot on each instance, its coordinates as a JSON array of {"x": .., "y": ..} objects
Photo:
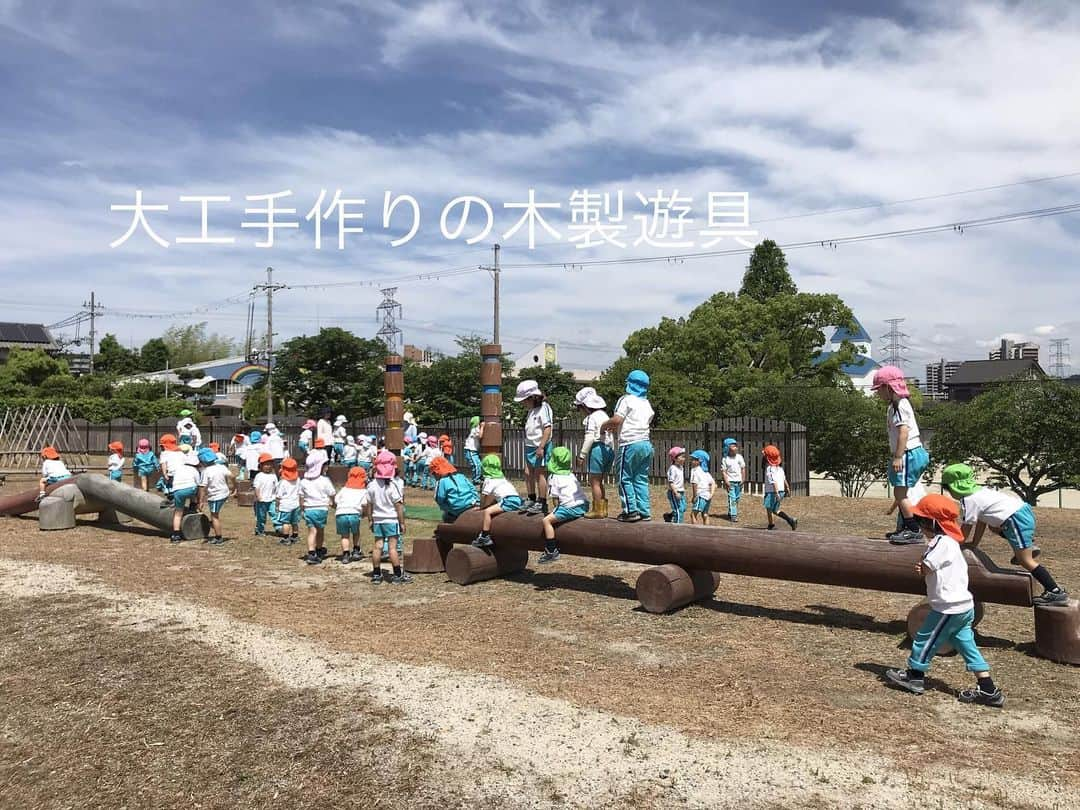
[
  {"x": 385, "y": 464},
  {"x": 675, "y": 452},
  {"x": 432, "y": 441},
  {"x": 144, "y": 445},
  {"x": 892, "y": 377},
  {"x": 314, "y": 464}
]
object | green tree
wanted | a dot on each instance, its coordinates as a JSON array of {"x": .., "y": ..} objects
[
  {"x": 1025, "y": 433},
  {"x": 450, "y": 387},
  {"x": 558, "y": 386},
  {"x": 113, "y": 358},
  {"x": 191, "y": 344},
  {"x": 767, "y": 273},
  {"x": 334, "y": 369},
  {"x": 29, "y": 368},
  {"x": 154, "y": 355}
]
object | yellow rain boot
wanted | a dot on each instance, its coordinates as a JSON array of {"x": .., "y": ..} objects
[{"x": 598, "y": 510}]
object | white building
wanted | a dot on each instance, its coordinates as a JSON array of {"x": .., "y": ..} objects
[
  {"x": 229, "y": 378},
  {"x": 861, "y": 370}
]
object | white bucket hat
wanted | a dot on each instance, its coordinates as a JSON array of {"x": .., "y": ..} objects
[
  {"x": 526, "y": 389},
  {"x": 270, "y": 427},
  {"x": 589, "y": 398},
  {"x": 341, "y": 420},
  {"x": 408, "y": 417}
]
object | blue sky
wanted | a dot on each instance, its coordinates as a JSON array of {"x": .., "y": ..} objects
[{"x": 805, "y": 105}]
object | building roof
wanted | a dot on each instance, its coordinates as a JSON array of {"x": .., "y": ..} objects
[
  {"x": 234, "y": 369},
  {"x": 856, "y": 335},
  {"x": 26, "y": 336},
  {"x": 975, "y": 372},
  {"x": 859, "y": 367}
]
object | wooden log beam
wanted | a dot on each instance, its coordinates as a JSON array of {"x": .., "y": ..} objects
[
  {"x": 144, "y": 506},
  {"x": 664, "y": 588},
  {"x": 466, "y": 565}
]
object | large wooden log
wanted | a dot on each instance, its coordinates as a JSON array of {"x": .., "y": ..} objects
[
  {"x": 58, "y": 509},
  {"x": 24, "y": 502},
  {"x": 143, "y": 506},
  {"x": 1057, "y": 632},
  {"x": 466, "y": 564},
  {"x": 852, "y": 562},
  {"x": 664, "y": 588}
]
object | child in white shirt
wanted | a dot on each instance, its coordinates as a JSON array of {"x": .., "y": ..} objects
[
  {"x": 350, "y": 505},
  {"x": 287, "y": 503},
  {"x": 676, "y": 485},
  {"x": 472, "y": 448},
  {"x": 350, "y": 452},
  {"x": 387, "y": 496},
  {"x": 704, "y": 485},
  {"x": 597, "y": 453},
  {"x": 53, "y": 469},
  {"x": 496, "y": 496},
  {"x": 633, "y": 420},
  {"x": 186, "y": 480},
  {"x": 115, "y": 462},
  {"x": 909, "y": 457},
  {"x": 733, "y": 468},
  {"x": 566, "y": 490},
  {"x": 264, "y": 485},
  {"x": 775, "y": 487},
  {"x": 215, "y": 487},
  {"x": 316, "y": 498},
  {"x": 538, "y": 424}
]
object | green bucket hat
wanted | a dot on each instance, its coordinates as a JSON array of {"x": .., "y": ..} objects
[
  {"x": 960, "y": 480},
  {"x": 474, "y": 422},
  {"x": 185, "y": 412},
  {"x": 491, "y": 466},
  {"x": 559, "y": 463}
]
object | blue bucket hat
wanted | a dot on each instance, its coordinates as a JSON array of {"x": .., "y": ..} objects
[
  {"x": 255, "y": 437},
  {"x": 703, "y": 457},
  {"x": 207, "y": 456},
  {"x": 637, "y": 383},
  {"x": 728, "y": 442}
]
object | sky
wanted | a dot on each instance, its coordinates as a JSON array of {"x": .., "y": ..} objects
[{"x": 807, "y": 107}]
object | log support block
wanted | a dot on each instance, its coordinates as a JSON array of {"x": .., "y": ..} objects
[
  {"x": 195, "y": 526},
  {"x": 665, "y": 588},
  {"x": 917, "y": 615},
  {"x": 1057, "y": 632},
  {"x": 55, "y": 514},
  {"x": 426, "y": 557},
  {"x": 466, "y": 564}
]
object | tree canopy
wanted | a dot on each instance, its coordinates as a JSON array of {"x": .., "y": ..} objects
[
  {"x": 767, "y": 273},
  {"x": 114, "y": 358},
  {"x": 333, "y": 369},
  {"x": 192, "y": 344}
]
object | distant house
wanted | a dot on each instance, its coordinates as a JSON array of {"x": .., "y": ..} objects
[
  {"x": 861, "y": 370},
  {"x": 229, "y": 378},
  {"x": 975, "y": 376},
  {"x": 25, "y": 336}
]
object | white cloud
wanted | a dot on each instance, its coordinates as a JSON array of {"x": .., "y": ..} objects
[{"x": 1044, "y": 330}]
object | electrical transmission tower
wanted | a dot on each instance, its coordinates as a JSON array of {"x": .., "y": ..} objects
[
  {"x": 389, "y": 311},
  {"x": 894, "y": 348},
  {"x": 1059, "y": 357}
]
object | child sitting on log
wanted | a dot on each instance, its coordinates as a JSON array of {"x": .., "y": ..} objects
[
  {"x": 564, "y": 487},
  {"x": 775, "y": 487},
  {"x": 1006, "y": 515},
  {"x": 703, "y": 487},
  {"x": 454, "y": 493},
  {"x": 53, "y": 469},
  {"x": 497, "y": 496},
  {"x": 952, "y": 608}
]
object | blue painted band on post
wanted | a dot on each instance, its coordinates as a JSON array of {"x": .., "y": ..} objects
[
  {"x": 492, "y": 389},
  {"x": 396, "y": 367},
  {"x": 492, "y": 358}
]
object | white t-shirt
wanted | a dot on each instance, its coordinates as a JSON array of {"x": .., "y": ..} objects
[
  {"x": 54, "y": 468},
  {"x": 216, "y": 480},
  {"x": 946, "y": 573},
  {"x": 537, "y": 419},
  {"x": 185, "y": 476},
  {"x": 115, "y": 462},
  {"x": 188, "y": 427},
  {"x": 592, "y": 428},
  {"x": 471, "y": 441},
  {"x": 251, "y": 456},
  {"x": 385, "y": 495},
  {"x": 775, "y": 480},
  {"x": 340, "y": 432},
  {"x": 349, "y": 452},
  {"x": 275, "y": 446},
  {"x": 992, "y": 506},
  {"x": 901, "y": 413},
  {"x": 704, "y": 482},
  {"x": 367, "y": 452},
  {"x": 305, "y": 437},
  {"x": 265, "y": 486},
  {"x": 325, "y": 431},
  {"x": 675, "y": 478},
  {"x": 498, "y": 488},
  {"x": 316, "y": 492},
  {"x": 733, "y": 467},
  {"x": 169, "y": 460},
  {"x": 350, "y": 501},
  {"x": 432, "y": 453},
  {"x": 637, "y": 416},
  {"x": 288, "y": 495},
  {"x": 566, "y": 489}
]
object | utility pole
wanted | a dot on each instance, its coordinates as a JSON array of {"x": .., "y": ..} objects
[
  {"x": 269, "y": 287},
  {"x": 93, "y": 308},
  {"x": 494, "y": 270}
]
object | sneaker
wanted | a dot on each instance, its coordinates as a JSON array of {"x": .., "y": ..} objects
[
  {"x": 483, "y": 541},
  {"x": 977, "y": 695},
  {"x": 260, "y": 534},
  {"x": 292, "y": 540},
  {"x": 905, "y": 537},
  {"x": 771, "y": 527},
  {"x": 284, "y": 541},
  {"x": 401, "y": 579},
  {"x": 312, "y": 558},
  {"x": 900, "y": 678},
  {"x": 1058, "y": 596},
  {"x": 549, "y": 557},
  {"x": 321, "y": 552},
  {"x": 734, "y": 518},
  {"x": 357, "y": 555},
  {"x": 533, "y": 509},
  {"x": 645, "y": 518},
  {"x": 216, "y": 541},
  {"x": 175, "y": 538},
  {"x": 793, "y": 523},
  {"x": 376, "y": 579},
  {"x": 667, "y": 517},
  {"x": 629, "y": 517},
  {"x": 345, "y": 557}
]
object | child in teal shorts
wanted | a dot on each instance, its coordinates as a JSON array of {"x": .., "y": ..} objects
[
  {"x": 496, "y": 497},
  {"x": 566, "y": 490},
  {"x": 350, "y": 505},
  {"x": 387, "y": 510},
  {"x": 316, "y": 498}
]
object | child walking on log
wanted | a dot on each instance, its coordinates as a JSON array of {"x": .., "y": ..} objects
[
  {"x": 633, "y": 420},
  {"x": 497, "y": 496},
  {"x": 454, "y": 493},
  {"x": 775, "y": 487},
  {"x": 387, "y": 493},
  {"x": 567, "y": 491},
  {"x": 733, "y": 468},
  {"x": 538, "y": 421},
  {"x": 704, "y": 485},
  {"x": 676, "y": 485},
  {"x": 597, "y": 452},
  {"x": 1006, "y": 515},
  {"x": 909, "y": 457},
  {"x": 952, "y": 608}
]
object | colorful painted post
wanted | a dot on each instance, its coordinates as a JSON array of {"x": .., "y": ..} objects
[{"x": 491, "y": 398}]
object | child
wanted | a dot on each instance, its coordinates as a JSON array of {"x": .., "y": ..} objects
[
  {"x": 351, "y": 504},
  {"x": 454, "y": 493},
  {"x": 775, "y": 487},
  {"x": 265, "y": 486},
  {"x": 323, "y": 429},
  {"x": 316, "y": 498},
  {"x": 115, "y": 461},
  {"x": 497, "y": 496},
  {"x": 365, "y": 455},
  {"x": 446, "y": 447},
  {"x": 472, "y": 448},
  {"x": 633, "y": 420},
  {"x": 387, "y": 495},
  {"x": 349, "y": 455},
  {"x": 952, "y": 608},
  {"x": 275, "y": 444},
  {"x": 1006, "y": 515},
  {"x": 566, "y": 490},
  {"x": 431, "y": 452},
  {"x": 221, "y": 457},
  {"x": 703, "y": 487},
  {"x": 676, "y": 485},
  {"x": 306, "y": 436},
  {"x": 421, "y": 460},
  {"x": 169, "y": 461},
  {"x": 287, "y": 503},
  {"x": 188, "y": 431},
  {"x": 145, "y": 464},
  {"x": 215, "y": 488},
  {"x": 252, "y": 450},
  {"x": 909, "y": 457},
  {"x": 733, "y": 467},
  {"x": 185, "y": 491},
  {"x": 538, "y": 419},
  {"x": 408, "y": 460},
  {"x": 410, "y": 426},
  {"x": 340, "y": 434},
  {"x": 53, "y": 469},
  {"x": 238, "y": 454},
  {"x": 597, "y": 454}
]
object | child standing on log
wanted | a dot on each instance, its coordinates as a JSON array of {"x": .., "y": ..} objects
[
  {"x": 265, "y": 487},
  {"x": 733, "y": 467},
  {"x": 633, "y": 420},
  {"x": 287, "y": 503},
  {"x": 115, "y": 462},
  {"x": 497, "y": 496},
  {"x": 775, "y": 487},
  {"x": 952, "y": 608},
  {"x": 350, "y": 505},
  {"x": 185, "y": 491},
  {"x": 215, "y": 487},
  {"x": 472, "y": 448},
  {"x": 538, "y": 422},
  {"x": 145, "y": 464},
  {"x": 387, "y": 493},
  {"x": 909, "y": 457},
  {"x": 704, "y": 485},
  {"x": 1006, "y": 515},
  {"x": 597, "y": 453},
  {"x": 676, "y": 485},
  {"x": 569, "y": 495}
]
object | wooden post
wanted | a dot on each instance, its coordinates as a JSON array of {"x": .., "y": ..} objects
[{"x": 491, "y": 398}]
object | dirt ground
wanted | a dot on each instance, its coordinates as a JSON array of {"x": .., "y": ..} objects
[{"x": 134, "y": 673}]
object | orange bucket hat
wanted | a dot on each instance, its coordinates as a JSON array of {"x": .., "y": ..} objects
[
  {"x": 357, "y": 478},
  {"x": 944, "y": 511},
  {"x": 49, "y": 453},
  {"x": 168, "y": 441},
  {"x": 288, "y": 469},
  {"x": 320, "y": 443},
  {"x": 116, "y": 447},
  {"x": 772, "y": 455},
  {"x": 265, "y": 457},
  {"x": 440, "y": 466}
]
